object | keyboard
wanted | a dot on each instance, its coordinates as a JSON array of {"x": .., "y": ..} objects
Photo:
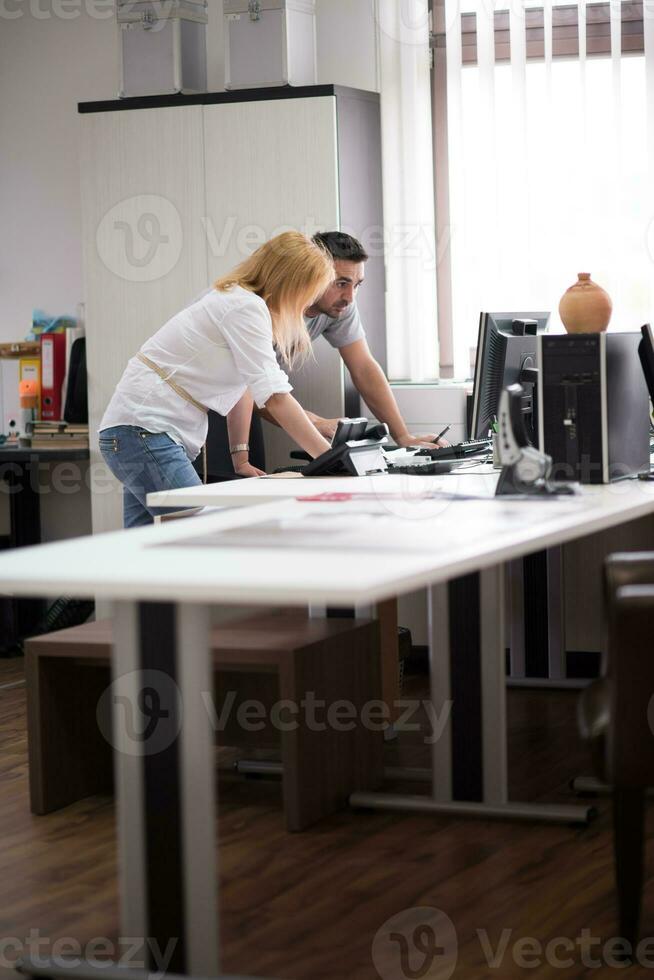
[
  {"x": 459, "y": 450},
  {"x": 426, "y": 468}
]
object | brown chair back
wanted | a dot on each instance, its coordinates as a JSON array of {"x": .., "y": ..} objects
[{"x": 629, "y": 584}]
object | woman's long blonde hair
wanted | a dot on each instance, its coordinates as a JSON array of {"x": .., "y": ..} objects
[{"x": 290, "y": 272}]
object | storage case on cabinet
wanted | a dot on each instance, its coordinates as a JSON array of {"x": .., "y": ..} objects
[
  {"x": 269, "y": 43},
  {"x": 162, "y": 46}
]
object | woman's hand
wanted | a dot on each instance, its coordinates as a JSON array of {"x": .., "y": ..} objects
[
  {"x": 247, "y": 469},
  {"x": 326, "y": 427}
]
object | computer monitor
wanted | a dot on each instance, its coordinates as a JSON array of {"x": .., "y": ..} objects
[
  {"x": 506, "y": 355},
  {"x": 646, "y": 354}
]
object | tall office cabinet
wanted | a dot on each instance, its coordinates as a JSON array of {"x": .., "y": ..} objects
[
  {"x": 144, "y": 248},
  {"x": 176, "y": 191}
]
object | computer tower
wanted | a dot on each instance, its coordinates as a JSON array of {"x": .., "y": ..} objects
[{"x": 593, "y": 406}]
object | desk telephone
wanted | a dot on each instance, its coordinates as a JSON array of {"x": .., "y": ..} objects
[{"x": 355, "y": 451}]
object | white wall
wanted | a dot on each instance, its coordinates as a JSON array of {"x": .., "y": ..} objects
[
  {"x": 215, "y": 48},
  {"x": 49, "y": 63},
  {"x": 347, "y": 47},
  {"x": 46, "y": 66}
]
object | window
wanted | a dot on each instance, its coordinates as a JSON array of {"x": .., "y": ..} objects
[{"x": 548, "y": 165}]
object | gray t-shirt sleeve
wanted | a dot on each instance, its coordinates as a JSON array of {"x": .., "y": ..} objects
[{"x": 338, "y": 332}]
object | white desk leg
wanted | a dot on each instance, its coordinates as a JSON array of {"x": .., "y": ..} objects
[
  {"x": 128, "y": 766},
  {"x": 165, "y": 782}
]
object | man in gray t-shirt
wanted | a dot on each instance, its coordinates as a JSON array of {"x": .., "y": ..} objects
[
  {"x": 336, "y": 318},
  {"x": 339, "y": 331}
]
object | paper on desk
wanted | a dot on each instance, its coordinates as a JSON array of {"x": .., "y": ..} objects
[
  {"x": 375, "y": 525},
  {"x": 289, "y": 475}
]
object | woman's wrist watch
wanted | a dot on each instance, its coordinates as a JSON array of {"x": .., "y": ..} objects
[{"x": 242, "y": 447}]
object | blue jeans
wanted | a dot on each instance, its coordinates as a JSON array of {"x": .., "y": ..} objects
[{"x": 144, "y": 462}]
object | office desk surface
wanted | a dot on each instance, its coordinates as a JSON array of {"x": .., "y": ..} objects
[
  {"x": 240, "y": 493},
  {"x": 394, "y": 546}
]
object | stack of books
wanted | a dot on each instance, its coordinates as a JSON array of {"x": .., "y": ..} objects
[{"x": 58, "y": 435}]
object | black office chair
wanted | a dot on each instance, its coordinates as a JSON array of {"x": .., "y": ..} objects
[
  {"x": 219, "y": 461},
  {"x": 616, "y": 716}
]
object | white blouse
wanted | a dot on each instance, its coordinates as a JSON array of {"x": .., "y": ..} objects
[{"x": 215, "y": 349}]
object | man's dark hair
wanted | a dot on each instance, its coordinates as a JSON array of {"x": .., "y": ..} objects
[{"x": 341, "y": 246}]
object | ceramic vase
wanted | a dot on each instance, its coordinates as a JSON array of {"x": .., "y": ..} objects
[{"x": 585, "y": 307}]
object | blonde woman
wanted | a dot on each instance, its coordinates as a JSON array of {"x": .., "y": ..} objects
[{"x": 218, "y": 353}]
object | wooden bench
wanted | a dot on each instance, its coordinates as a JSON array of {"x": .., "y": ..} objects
[{"x": 267, "y": 659}]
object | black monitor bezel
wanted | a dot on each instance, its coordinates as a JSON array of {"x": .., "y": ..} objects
[
  {"x": 486, "y": 320},
  {"x": 646, "y": 355}
]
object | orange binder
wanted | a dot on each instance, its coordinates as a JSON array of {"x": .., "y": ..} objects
[{"x": 29, "y": 382}]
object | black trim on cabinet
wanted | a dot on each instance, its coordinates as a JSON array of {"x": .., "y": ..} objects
[{"x": 220, "y": 98}]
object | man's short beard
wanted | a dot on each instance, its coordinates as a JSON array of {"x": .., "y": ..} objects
[{"x": 327, "y": 310}]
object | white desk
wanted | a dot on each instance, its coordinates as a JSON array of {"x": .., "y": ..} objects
[
  {"x": 263, "y": 490},
  {"x": 537, "y": 652},
  {"x": 468, "y": 779},
  {"x": 162, "y": 596}
]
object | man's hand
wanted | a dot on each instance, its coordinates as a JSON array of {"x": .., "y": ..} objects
[
  {"x": 326, "y": 427},
  {"x": 428, "y": 441},
  {"x": 371, "y": 383},
  {"x": 247, "y": 469}
]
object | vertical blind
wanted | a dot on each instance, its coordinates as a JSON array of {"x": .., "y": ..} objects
[
  {"x": 548, "y": 121},
  {"x": 409, "y": 229}
]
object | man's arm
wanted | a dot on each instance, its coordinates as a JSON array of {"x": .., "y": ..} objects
[
  {"x": 372, "y": 384},
  {"x": 326, "y": 427}
]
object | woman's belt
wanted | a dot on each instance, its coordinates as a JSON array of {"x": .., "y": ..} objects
[{"x": 183, "y": 393}]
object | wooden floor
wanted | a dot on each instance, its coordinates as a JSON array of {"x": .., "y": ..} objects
[{"x": 309, "y": 906}]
